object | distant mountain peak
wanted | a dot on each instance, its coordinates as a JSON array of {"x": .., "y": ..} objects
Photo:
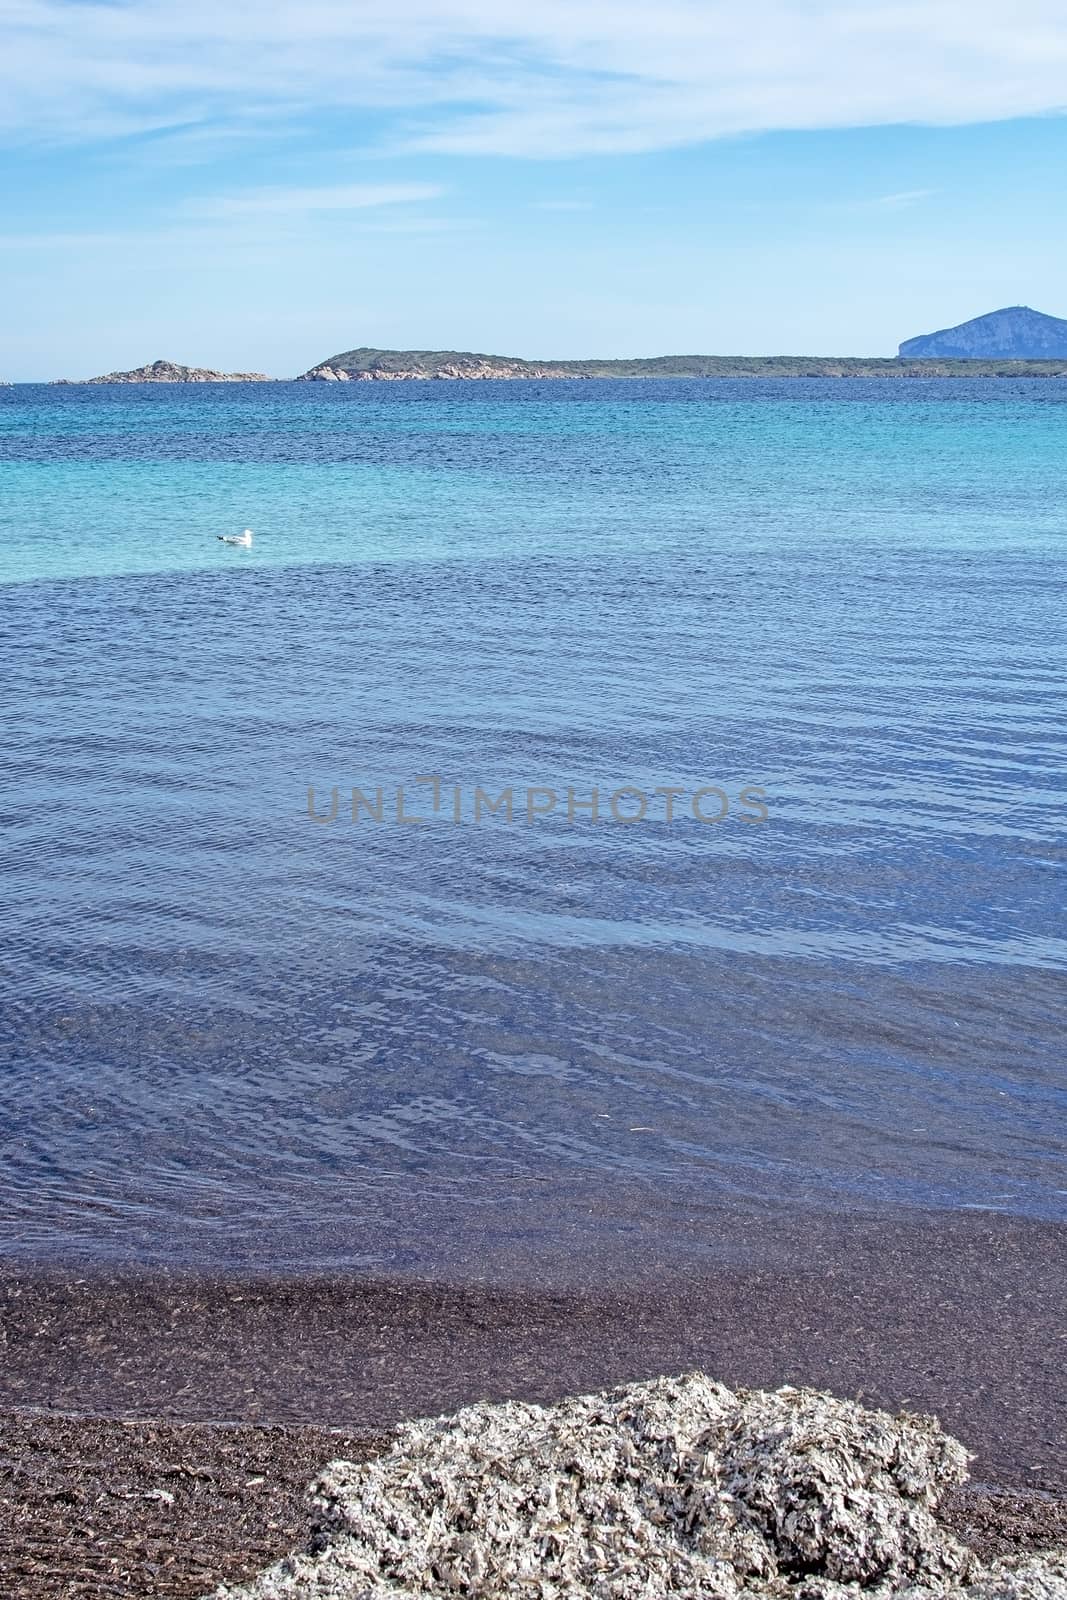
[{"x": 1013, "y": 333}]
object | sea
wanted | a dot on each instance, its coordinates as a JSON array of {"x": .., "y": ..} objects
[{"x": 593, "y": 818}]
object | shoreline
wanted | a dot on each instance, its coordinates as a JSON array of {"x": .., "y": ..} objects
[
  {"x": 958, "y": 1313},
  {"x": 159, "y": 1428}
]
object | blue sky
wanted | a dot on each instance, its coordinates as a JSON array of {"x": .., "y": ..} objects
[{"x": 260, "y": 185}]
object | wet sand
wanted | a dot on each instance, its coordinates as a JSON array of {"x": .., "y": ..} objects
[{"x": 109, "y": 1382}]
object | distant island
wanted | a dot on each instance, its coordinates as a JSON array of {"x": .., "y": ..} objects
[
  {"x": 369, "y": 365},
  {"x": 1014, "y": 332},
  {"x": 1015, "y": 342},
  {"x": 170, "y": 372}
]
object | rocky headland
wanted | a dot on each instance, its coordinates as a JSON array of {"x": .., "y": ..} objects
[{"x": 367, "y": 366}]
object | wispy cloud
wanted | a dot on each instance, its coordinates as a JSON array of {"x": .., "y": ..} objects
[
  {"x": 561, "y": 205},
  {"x": 898, "y": 202},
  {"x": 503, "y": 77},
  {"x": 280, "y": 201}
]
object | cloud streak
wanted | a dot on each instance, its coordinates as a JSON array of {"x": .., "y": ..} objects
[
  {"x": 901, "y": 200},
  {"x": 500, "y": 77},
  {"x": 278, "y": 201}
]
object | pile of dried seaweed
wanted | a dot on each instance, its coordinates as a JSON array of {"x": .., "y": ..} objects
[{"x": 674, "y": 1487}]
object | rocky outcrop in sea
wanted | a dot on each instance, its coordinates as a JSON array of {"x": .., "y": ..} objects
[{"x": 171, "y": 372}]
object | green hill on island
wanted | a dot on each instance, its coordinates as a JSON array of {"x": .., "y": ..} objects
[{"x": 367, "y": 364}]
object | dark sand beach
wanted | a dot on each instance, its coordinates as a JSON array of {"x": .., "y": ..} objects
[{"x": 159, "y": 1429}]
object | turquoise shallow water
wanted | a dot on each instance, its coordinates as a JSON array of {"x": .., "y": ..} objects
[
  {"x": 232, "y": 1033},
  {"x": 120, "y": 480}
]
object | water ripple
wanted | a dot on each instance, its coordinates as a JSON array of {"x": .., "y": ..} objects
[{"x": 225, "y": 1028}]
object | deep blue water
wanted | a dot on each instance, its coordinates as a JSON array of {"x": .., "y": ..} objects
[{"x": 232, "y": 1033}]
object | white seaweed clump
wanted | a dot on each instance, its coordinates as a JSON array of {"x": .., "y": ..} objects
[{"x": 673, "y": 1487}]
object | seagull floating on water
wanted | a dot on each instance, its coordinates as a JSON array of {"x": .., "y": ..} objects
[{"x": 242, "y": 539}]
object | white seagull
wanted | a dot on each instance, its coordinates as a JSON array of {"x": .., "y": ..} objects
[{"x": 242, "y": 539}]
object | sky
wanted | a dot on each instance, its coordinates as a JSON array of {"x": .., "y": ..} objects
[{"x": 259, "y": 184}]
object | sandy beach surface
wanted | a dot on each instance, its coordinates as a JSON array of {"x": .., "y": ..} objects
[{"x": 159, "y": 1430}]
